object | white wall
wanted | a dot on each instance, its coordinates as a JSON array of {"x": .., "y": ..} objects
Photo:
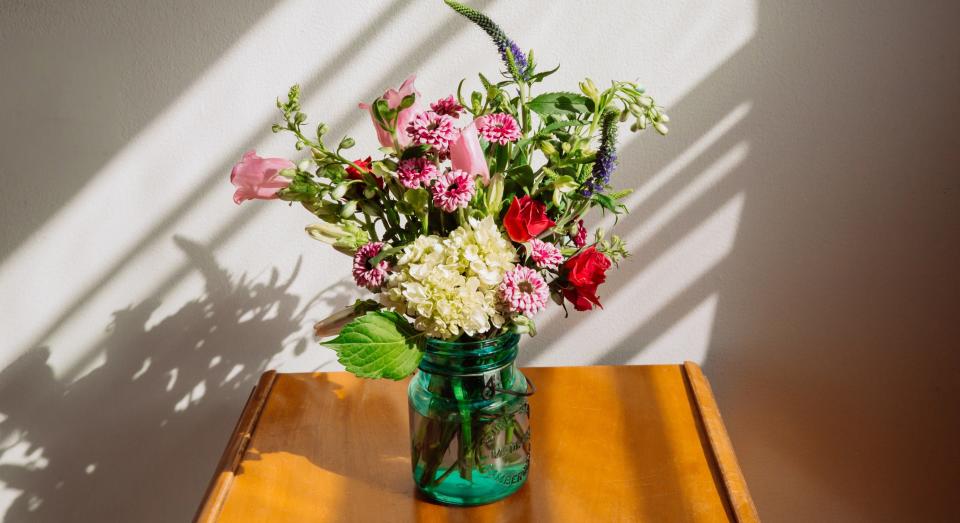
[{"x": 796, "y": 233}]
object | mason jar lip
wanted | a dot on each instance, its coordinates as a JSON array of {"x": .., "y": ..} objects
[{"x": 440, "y": 347}]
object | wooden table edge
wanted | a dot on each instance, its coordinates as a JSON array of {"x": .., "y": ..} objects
[
  {"x": 222, "y": 479},
  {"x": 721, "y": 447}
]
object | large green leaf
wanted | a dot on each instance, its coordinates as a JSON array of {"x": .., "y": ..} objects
[
  {"x": 379, "y": 344},
  {"x": 560, "y": 103}
]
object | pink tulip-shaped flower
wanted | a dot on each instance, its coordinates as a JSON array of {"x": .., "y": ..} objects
[
  {"x": 467, "y": 155},
  {"x": 393, "y": 98},
  {"x": 258, "y": 178}
]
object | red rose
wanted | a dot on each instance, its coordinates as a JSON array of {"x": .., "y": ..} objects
[
  {"x": 584, "y": 273},
  {"x": 526, "y": 218},
  {"x": 364, "y": 165}
]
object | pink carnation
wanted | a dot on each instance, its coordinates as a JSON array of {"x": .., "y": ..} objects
[
  {"x": 580, "y": 239},
  {"x": 416, "y": 172},
  {"x": 523, "y": 290},
  {"x": 453, "y": 190},
  {"x": 499, "y": 127},
  {"x": 433, "y": 129},
  {"x": 447, "y": 106},
  {"x": 365, "y": 275},
  {"x": 545, "y": 255}
]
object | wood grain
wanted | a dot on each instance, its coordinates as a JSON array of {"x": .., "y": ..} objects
[{"x": 609, "y": 444}]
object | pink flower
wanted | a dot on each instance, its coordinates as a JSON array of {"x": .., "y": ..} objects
[
  {"x": 467, "y": 155},
  {"x": 433, "y": 129},
  {"x": 393, "y": 98},
  {"x": 416, "y": 172},
  {"x": 365, "y": 275},
  {"x": 523, "y": 290},
  {"x": 498, "y": 127},
  {"x": 580, "y": 239},
  {"x": 545, "y": 255},
  {"x": 453, "y": 190},
  {"x": 258, "y": 178},
  {"x": 447, "y": 106}
]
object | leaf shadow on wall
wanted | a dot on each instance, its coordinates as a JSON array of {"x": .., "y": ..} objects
[{"x": 137, "y": 438}]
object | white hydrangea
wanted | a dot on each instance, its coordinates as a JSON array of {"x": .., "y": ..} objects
[{"x": 449, "y": 286}]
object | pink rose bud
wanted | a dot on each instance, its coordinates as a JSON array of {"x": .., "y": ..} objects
[{"x": 258, "y": 178}]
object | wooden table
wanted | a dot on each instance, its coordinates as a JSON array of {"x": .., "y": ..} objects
[{"x": 624, "y": 443}]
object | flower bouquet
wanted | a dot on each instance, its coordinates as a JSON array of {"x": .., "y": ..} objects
[{"x": 469, "y": 222}]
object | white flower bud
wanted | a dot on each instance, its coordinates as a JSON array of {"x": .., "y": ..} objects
[
  {"x": 662, "y": 129},
  {"x": 348, "y": 209},
  {"x": 326, "y": 232},
  {"x": 339, "y": 190}
]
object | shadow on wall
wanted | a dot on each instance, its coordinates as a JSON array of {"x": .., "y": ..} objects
[
  {"x": 137, "y": 438},
  {"x": 70, "y": 63},
  {"x": 833, "y": 346},
  {"x": 832, "y": 351}
]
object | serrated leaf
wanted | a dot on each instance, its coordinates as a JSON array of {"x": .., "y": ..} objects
[
  {"x": 560, "y": 103},
  {"x": 379, "y": 344}
]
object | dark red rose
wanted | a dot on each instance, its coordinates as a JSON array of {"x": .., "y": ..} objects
[
  {"x": 364, "y": 165},
  {"x": 584, "y": 273},
  {"x": 526, "y": 218}
]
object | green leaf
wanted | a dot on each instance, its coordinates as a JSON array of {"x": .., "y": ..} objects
[
  {"x": 379, "y": 344},
  {"x": 560, "y": 103},
  {"x": 540, "y": 76},
  {"x": 559, "y": 125},
  {"x": 523, "y": 177},
  {"x": 502, "y": 155},
  {"x": 621, "y": 194},
  {"x": 408, "y": 101},
  {"x": 300, "y": 189},
  {"x": 608, "y": 203},
  {"x": 414, "y": 151},
  {"x": 417, "y": 198},
  {"x": 486, "y": 83}
]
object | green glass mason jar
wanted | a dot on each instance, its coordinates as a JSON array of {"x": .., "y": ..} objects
[{"x": 469, "y": 421}]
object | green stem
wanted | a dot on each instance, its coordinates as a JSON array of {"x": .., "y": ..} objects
[
  {"x": 466, "y": 432},
  {"x": 524, "y": 112},
  {"x": 371, "y": 229}
]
